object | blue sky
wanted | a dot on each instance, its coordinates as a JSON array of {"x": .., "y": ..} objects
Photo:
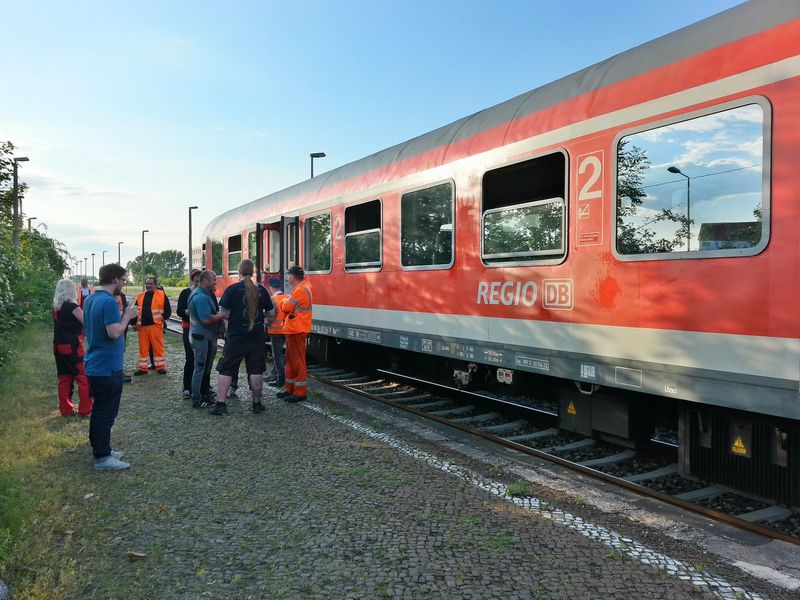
[{"x": 131, "y": 112}]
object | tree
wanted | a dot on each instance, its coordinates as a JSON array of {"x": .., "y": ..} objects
[
  {"x": 167, "y": 265},
  {"x": 7, "y": 183},
  {"x": 634, "y": 237}
]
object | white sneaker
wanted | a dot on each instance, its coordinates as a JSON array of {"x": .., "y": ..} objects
[
  {"x": 109, "y": 463},
  {"x": 117, "y": 455}
]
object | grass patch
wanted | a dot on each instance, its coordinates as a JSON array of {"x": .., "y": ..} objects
[
  {"x": 520, "y": 489},
  {"x": 498, "y": 541},
  {"x": 471, "y": 521}
]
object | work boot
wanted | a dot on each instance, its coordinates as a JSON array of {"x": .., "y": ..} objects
[
  {"x": 293, "y": 399},
  {"x": 282, "y": 394},
  {"x": 220, "y": 408},
  {"x": 258, "y": 408},
  {"x": 137, "y": 373},
  {"x": 232, "y": 392},
  {"x": 274, "y": 384},
  {"x": 162, "y": 371}
]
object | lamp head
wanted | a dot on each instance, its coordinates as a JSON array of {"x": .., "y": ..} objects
[
  {"x": 317, "y": 155},
  {"x": 675, "y": 170}
]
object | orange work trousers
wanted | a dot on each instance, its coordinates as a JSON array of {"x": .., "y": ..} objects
[
  {"x": 296, "y": 375},
  {"x": 151, "y": 336}
]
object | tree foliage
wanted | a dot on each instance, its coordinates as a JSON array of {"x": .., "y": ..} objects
[
  {"x": 634, "y": 236},
  {"x": 167, "y": 265},
  {"x": 27, "y": 275}
]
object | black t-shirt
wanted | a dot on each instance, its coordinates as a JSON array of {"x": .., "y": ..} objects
[
  {"x": 66, "y": 328},
  {"x": 234, "y": 299}
]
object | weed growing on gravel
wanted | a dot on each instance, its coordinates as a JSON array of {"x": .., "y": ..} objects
[
  {"x": 498, "y": 541},
  {"x": 520, "y": 489},
  {"x": 579, "y": 500},
  {"x": 378, "y": 425},
  {"x": 471, "y": 521}
]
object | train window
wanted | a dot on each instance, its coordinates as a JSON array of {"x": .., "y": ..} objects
[
  {"x": 216, "y": 257},
  {"x": 695, "y": 187},
  {"x": 524, "y": 212},
  {"x": 426, "y": 227},
  {"x": 317, "y": 230},
  {"x": 203, "y": 257},
  {"x": 362, "y": 238},
  {"x": 291, "y": 245},
  {"x": 234, "y": 253},
  {"x": 274, "y": 245}
]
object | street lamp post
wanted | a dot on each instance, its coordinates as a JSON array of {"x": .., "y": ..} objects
[
  {"x": 29, "y": 223},
  {"x": 15, "y": 216},
  {"x": 143, "y": 274},
  {"x": 104, "y": 259},
  {"x": 677, "y": 171},
  {"x": 92, "y": 266},
  {"x": 191, "y": 208},
  {"x": 119, "y": 253},
  {"x": 314, "y": 155},
  {"x": 85, "y": 266}
]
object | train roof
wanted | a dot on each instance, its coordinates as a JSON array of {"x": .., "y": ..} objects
[{"x": 718, "y": 30}]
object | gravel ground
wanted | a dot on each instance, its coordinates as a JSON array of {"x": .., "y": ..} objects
[{"x": 290, "y": 504}]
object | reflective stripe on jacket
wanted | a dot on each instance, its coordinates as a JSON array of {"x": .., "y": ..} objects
[
  {"x": 156, "y": 307},
  {"x": 298, "y": 310},
  {"x": 275, "y": 326}
]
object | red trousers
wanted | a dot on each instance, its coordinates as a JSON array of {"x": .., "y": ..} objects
[
  {"x": 151, "y": 336},
  {"x": 296, "y": 375},
  {"x": 70, "y": 369}
]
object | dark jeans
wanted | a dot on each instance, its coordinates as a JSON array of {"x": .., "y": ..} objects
[
  {"x": 188, "y": 364},
  {"x": 278, "y": 364},
  {"x": 204, "y": 350},
  {"x": 106, "y": 392}
]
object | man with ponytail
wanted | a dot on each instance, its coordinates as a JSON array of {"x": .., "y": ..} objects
[{"x": 243, "y": 305}]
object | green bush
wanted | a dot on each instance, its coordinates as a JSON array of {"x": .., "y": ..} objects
[{"x": 27, "y": 280}]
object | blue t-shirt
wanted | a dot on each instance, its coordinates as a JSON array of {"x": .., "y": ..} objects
[
  {"x": 202, "y": 307},
  {"x": 234, "y": 299},
  {"x": 104, "y": 355}
]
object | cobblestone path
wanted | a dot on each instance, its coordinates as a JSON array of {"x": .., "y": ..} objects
[{"x": 291, "y": 504}]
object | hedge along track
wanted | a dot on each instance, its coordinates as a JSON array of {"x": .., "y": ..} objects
[{"x": 487, "y": 417}]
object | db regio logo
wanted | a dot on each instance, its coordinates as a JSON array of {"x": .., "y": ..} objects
[{"x": 557, "y": 294}]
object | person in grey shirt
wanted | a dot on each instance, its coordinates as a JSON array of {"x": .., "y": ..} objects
[{"x": 204, "y": 318}]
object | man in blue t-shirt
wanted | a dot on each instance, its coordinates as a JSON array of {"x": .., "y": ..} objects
[
  {"x": 105, "y": 330},
  {"x": 204, "y": 320}
]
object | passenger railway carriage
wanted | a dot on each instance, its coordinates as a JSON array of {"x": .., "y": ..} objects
[{"x": 626, "y": 237}]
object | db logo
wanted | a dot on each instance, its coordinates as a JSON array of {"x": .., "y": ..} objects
[{"x": 557, "y": 294}]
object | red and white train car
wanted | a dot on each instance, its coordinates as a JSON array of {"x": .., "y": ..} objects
[{"x": 632, "y": 226}]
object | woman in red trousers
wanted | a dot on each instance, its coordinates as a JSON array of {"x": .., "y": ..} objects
[{"x": 68, "y": 350}]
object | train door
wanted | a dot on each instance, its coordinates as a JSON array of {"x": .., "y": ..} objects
[
  {"x": 290, "y": 247},
  {"x": 266, "y": 248}
]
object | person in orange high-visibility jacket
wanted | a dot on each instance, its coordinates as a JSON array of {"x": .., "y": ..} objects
[
  {"x": 277, "y": 339},
  {"x": 296, "y": 327},
  {"x": 154, "y": 310}
]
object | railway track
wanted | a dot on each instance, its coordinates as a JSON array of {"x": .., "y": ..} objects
[{"x": 528, "y": 426}]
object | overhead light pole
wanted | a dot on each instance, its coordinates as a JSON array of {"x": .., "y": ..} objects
[
  {"x": 314, "y": 155},
  {"x": 29, "y": 223},
  {"x": 677, "y": 171},
  {"x": 104, "y": 259},
  {"x": 143, "y": 274},
  {"x": 16, "y": 210},
  {"x": 119, "y": 253},
  {"x": 85, "y": 266},
  {"x": 92, "y": 266},
  {"x": 191, "y": 208}
]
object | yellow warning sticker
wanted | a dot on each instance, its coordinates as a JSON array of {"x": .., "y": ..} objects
[
  {"x": 739, "y": 447},
  {"x": 571, "y": 409}
]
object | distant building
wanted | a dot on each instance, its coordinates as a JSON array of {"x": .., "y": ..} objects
[{"x": 720, "y": 236}]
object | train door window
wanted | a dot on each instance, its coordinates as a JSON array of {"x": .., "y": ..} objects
[
  {"x": 216, "y": 257},
  {"x": 274, "y": 246},
  {"x": 317, "y": 237},
  {"x": 362, "y": 237},
  {"x": 695, "y": 187},
  {"x": 524, "y": 212},
  {"x": 234, "y": 253},
  {"x": 203, "y": 257},
  {"x": 251, "y": 246},
  {"x": 291, "y": 245},
  {"x": 426, "y": 228}
]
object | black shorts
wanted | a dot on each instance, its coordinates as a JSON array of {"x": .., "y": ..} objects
[{"x": 235, "y": 350}]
